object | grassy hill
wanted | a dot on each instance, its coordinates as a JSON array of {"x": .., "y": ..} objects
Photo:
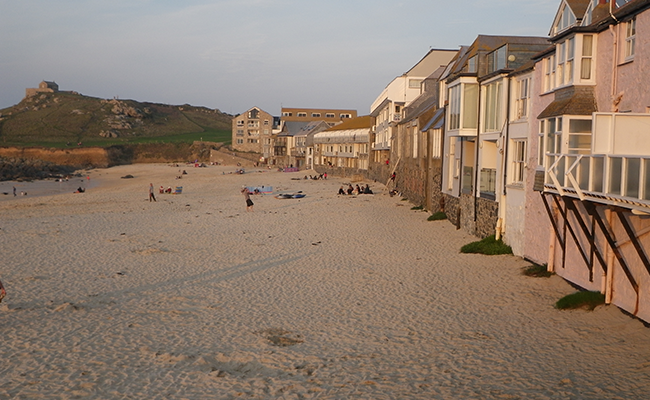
[{"x": 65, "y": 119}]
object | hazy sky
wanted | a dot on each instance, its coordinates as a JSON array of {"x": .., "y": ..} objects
[{"x": 236, "y": 54}]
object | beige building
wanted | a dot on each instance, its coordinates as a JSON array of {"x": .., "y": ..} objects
[
  {"x": 43, "y": 87},
  {"x": 331, "y": 116},
  {"x": 251, "y": 131}
]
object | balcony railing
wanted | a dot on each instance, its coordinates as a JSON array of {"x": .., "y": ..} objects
[{"x": 610, "y": 179}]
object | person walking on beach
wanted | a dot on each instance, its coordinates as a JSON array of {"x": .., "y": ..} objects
[
  {"x": 249, "y": 202},
  {"x": 14, "y": 191},
  {"x": 151, "y": 195}
]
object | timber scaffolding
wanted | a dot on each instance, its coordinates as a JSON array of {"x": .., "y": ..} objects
[{"x": 589, "y": 229}]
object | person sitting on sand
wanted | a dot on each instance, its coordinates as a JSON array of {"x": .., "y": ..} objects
[
  {"x": 367, "y": 190},
  {"x": 341, "y": 191},
  {"x": 3, "y": 292},
  {"x": 350, "y": 188},
  {"x": 358, "y": 190}
]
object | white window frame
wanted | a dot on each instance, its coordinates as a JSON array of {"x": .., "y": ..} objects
[
  {"x": 630, "y": 40},
  {"x": 519, "y": 151}
]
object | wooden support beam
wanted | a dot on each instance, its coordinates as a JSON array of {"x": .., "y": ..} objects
[
  {"x": 552, "y": 219},
  {"x": 589, "y": 235},
  {"x": 635, "y": 242},
  {"x": 609, "y": 236},
  {"x": 575, "y": 237}
]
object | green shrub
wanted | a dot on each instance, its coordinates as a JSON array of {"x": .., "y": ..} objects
[
  {"x": 537, "y": 271},
  {"x": 583, "y": 299},
  {"x": 417, "y": 208},
  {"x": 489, "y": 246},
  {"x": 437, "y": 216}
]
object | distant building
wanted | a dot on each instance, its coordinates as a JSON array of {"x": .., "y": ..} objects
[
  {"x": 331, "y": 116},
  {"x": 43, "y": 87},
  {"x": 251, "y": 131}
]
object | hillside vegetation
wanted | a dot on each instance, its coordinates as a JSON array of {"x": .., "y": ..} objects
[{"x": 68, "y": 119}]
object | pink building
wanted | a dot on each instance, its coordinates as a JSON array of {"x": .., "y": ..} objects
[{"x": 594, "y": 155}]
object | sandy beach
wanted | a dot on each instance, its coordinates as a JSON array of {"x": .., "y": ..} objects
[{"x": 111, "y": 296}]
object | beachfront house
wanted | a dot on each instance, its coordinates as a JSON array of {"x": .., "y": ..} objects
[
  {"x": 252, "y": 132},
  {"x": 594, "y": 155},
  {"x": 476, "y": 91},
  {"x": 387, "y": 109},
  {"x": 417, "y": 145},
  {"x": 344, "y": 146}
]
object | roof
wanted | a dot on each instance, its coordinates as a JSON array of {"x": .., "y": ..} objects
[
  {"x": 437, "y": 121},
  {"x": 361, "y": 135},
  {"x": 364, "y": 122},
  {"x": 571, "y": 101}
]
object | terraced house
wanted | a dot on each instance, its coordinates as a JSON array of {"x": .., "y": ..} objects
[{"x": 593, "y": 155}]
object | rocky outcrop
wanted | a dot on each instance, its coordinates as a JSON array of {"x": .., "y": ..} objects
[{"x": 20, "y": 169}]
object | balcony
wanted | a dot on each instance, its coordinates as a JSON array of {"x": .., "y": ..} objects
[
  {"x": 617, "y": 171},
  {"x": 610, "y": 179}
]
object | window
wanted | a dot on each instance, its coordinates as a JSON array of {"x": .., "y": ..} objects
[
  {"x": 240, "y": 132},
  {"x": 497, "y": 59},
  {"x": 330, "y": 115},
  {"x": 579, "y": 136},
  {"x": 254, "y": 113},
  {"x": 523, "y": 94},
  {"x": 415, "y": 142},
  {"x": 266, "y": 122},
  {"x": 493, "y": 107},
  {"x": 587, "y": 52},
  {"x": 302, "y": 114},
  {"x": 518, "y": 161},
  {"x": 469, "y": 103},
  {"x": 566, "y": 20},
  {"x": 436, "y": 143},
  {"x": 240, "y": 122},
  {"x": 570, "y": 55},
  {"x": 565, "y": 54},
  {"x": 253, "y": 124},
  {"x": 240, "y": 141},
  {"x": 315, "y": 115},
  {"x": 287, "y": 114},
  {"x": 346, "y": 116},
  {"x": 454, "y": 108},
  {"x": 471, "y": 65},
  {"x": 252, "y": 140},
  {"x": 414, "y": 83},
  {"x": 630, "y": 38},
  {"x": 549, "y": 73},
  {"x": 253, "y": 132}
]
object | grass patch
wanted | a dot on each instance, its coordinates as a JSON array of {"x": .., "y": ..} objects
[
  {"x": 537, "y": 271},
  {"x": 417, "y": 208},
  {"x": 405, "y": 199},
  {"x": 437, "y": 216},
  {"x": 488, "y": 246},
  {"x": 585, "y": 299}
]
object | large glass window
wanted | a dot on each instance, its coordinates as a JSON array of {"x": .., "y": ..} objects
[
  {"x": 579, "y": 136},
  {"x": 454, "y": 107},
  {"x": 493, "y": 107},
  {"x": 470, "y": 106},
  {"x": 463, "y": 99},
  {"x": 497, "y": 59}
]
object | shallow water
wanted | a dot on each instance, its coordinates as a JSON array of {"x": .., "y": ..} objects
[{"x": 44, "y": 187}]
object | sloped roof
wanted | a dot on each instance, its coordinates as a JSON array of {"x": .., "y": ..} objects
[
  {"x": 353, "y": 123},
  {"x": 291, "y": 128},
  {"x": 436, "y": 121},
  {"x": 571, "y": 101}
]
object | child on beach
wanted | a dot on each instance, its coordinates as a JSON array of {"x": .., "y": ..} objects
[
  {"x": 151, "y": 195},
  {"x": 3, "y": 293}
]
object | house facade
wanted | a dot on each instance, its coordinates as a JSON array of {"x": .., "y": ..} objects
[
  {"x": 344, "y": 146},
  {"x": 594, "y": 158},
  {"x": 252, "y": 132},
  {"x": 477, "y": 137},
  {"x": 388, "y": 107}
]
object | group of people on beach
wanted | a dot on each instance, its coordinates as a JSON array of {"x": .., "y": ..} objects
[{"x": 355, "y": 190}]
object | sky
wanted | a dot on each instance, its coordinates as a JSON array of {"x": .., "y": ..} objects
[{"x": 232, "y": 55}]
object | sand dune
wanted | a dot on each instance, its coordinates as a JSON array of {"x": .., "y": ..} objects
[{"x": 326, "y": 297}]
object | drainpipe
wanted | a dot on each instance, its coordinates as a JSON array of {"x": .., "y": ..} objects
[
  {"x": 614, "y": 63},
  {"x": 609, "y": 255},
  {"x": 550, "y": 266},
  {"x": 504, "y": 157},
  {"x": 476, "y": 190}
]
